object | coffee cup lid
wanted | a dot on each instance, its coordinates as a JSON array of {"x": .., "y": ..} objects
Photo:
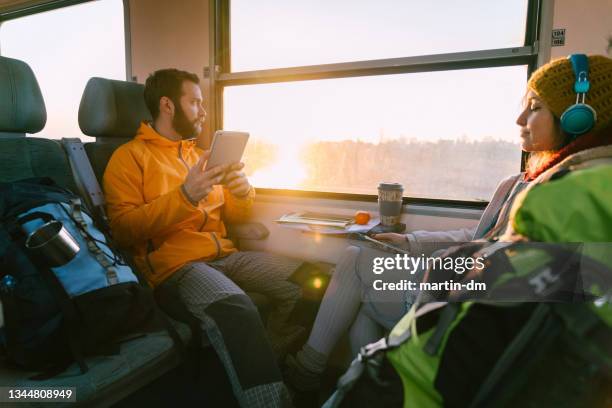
[{"x": 390, "y": 186}]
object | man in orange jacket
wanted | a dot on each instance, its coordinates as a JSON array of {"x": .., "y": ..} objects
[{"x": 171, "y": 215}]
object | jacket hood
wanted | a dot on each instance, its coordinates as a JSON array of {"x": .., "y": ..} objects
[{"x": 146, "y": 133}]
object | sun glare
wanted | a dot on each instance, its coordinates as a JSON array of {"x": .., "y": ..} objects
[{"x": 287, "y": 171}]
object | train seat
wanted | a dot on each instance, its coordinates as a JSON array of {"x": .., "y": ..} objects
[
  {"x": 141, "y": 360},
  {"x": 110, "y": 111}
]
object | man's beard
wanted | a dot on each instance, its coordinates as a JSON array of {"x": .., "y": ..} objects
[{"x": 182, "y": 125}]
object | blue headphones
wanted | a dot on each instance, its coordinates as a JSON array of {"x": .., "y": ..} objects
[{"x": 579, "y": 118}]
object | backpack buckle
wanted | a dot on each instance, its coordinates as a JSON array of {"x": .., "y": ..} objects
[{"x": 370, "y": 350}]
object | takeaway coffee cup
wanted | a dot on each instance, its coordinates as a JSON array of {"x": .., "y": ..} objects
[
  {"x": 390, "y": 203},
  {"x": 52, "y": 243}
]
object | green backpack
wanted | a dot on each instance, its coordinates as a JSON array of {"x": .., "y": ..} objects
[
  {"x": 484, "y": 355},
  {"x": 552, "y": 350}
]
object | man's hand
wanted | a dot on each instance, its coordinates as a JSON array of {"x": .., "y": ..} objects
[
  {"x": 236, "y": 181},
  {"x": 397, "y": 239},
  {"x": 198, "y": 182}
]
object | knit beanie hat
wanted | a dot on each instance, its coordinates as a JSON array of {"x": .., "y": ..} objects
[{"x": 554, "y": 84}]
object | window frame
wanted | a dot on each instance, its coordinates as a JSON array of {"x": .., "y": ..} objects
[{"x": 221, "y": 76}]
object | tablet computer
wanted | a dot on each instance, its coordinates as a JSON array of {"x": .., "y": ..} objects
[{"x": 227, "y": 147}]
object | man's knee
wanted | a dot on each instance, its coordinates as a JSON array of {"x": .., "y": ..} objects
[{"x": 238, "y": 308}]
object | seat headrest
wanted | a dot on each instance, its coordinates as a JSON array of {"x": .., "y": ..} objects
[
  {"x": 22, "y": 108},
  {"x": 111, "y": 108}
]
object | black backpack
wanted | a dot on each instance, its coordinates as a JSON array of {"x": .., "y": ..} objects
[
  {"x": 505, "y": 350},
  {"x": 54, "y": 315}
]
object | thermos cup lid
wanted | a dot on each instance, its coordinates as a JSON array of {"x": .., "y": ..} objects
[{"x": 390, "y": 186}]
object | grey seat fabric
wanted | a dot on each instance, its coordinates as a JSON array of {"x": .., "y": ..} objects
[
  {"x": 25, "y": 157},
  {"x": 22, "y": 110},
  {"x": 99, "y": 153},
  {"x": 110, "y": 111},
  {"x": 110, "y": 377}
]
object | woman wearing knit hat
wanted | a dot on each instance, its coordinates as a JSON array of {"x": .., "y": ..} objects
[
  {"x": 350, "y": 300},
  {"x": 569, "y": 198},
  {"x": 552, "y": 88}
]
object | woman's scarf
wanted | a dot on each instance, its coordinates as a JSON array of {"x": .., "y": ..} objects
[{"x": 587, "y": 141}]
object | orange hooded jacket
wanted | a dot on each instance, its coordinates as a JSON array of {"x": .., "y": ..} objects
[{"x": 151, "y": 217}]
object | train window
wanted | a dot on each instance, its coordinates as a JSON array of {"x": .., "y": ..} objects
[
  {"x": 277, "y": 33},
  {"x": 64, "y": 48},
  {"x": 447, "y": 135},
  {"x": 339, "y": 97}
]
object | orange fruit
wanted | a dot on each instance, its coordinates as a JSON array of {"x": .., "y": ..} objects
[{"x": 362, "y": 217}]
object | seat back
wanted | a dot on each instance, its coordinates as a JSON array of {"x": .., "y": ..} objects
[
  {"x": 110, "y": 111},
  {"x": 22, "y": 110}
]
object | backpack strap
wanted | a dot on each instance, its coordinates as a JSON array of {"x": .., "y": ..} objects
[
  {"x": 76, "y": 214},
  {"x": 447, "y": 317}
]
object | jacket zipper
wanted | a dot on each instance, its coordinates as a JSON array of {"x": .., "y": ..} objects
[
  {"x": 212, "y": 234},
  {"x": 180, "y": 155},
  {"x": 205, "y": 220}
]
